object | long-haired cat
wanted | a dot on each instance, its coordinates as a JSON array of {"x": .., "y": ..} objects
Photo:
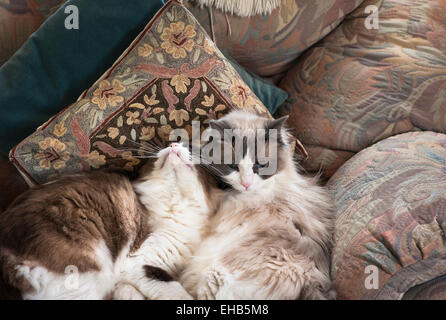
[
  {"x": 271, "y": 236},
  {"x": 98, "y": 235}
]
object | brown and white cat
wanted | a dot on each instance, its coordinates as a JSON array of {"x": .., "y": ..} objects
[
  {"x": 98, "y": 235},
  {"x": 271, "y": 237}
]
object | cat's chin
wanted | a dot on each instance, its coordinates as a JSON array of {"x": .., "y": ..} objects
[{"x": 174, "y": 159}]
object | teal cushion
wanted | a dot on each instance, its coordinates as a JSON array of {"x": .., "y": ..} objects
[{"x": 55, "y": 65}]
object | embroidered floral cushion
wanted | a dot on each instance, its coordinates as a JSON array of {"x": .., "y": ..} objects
[
  {"x": 171, "y": 75},
  {"x": 361, "y": 85},
  {"x": 269, "y": 45},
  {"x": 390, "y": 217},
  {"x": 56, "y": 64}
]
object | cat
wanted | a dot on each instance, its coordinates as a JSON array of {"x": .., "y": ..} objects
[
  {"x": 271, "y": 237},
  {"x": 98, "y": 235}
]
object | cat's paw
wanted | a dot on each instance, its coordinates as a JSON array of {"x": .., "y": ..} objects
[
  {"x": 212, "y": 284},
  {"x": 125, "y": 291},
  {"x": 35, "y": 277}
]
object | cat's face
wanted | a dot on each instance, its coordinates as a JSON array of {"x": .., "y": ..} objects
[
  {"x": 261, "y": 150},
  {"x": 244, "y": 176}
]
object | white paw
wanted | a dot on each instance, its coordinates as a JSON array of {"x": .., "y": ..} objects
[
  {"x": 37, "y": 277},
  {"x": 209, "y": 289},
  {"x": 127, "y": 292}
]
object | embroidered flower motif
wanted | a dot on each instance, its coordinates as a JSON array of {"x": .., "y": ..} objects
[
  {"x": 145, "y": 50},
  {"x": 132, "y": 118},
  {"x": 208, "y": 47},
  {"x": 95, "y": 159},
  {"x": 132, "y": 161},
  {"x": 180, "y": 81},
  {"x": 51, "y": 154},
  {"x": 108, "y": 94},
  {"x": 59, "y": 129},
  {"x": 208, "y": 101},
  {"x": 164, "y": 132},
  {"x": 113, "y": 132},
  {"x": 147, "y": 133},
  {"x": 177, "y": 39},
  {"x": 179, "y": 116},
  {"x": 241, "y": 94},
  {"x": 152, "y": 100}
]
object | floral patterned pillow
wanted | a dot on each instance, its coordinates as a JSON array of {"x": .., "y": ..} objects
[{"x": 171, "y": 75}]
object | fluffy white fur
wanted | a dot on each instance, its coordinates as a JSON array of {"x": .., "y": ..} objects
[
  {"x": 267, "y": 241},
  {"x": 175, "y": 195},
  {"x": 178, "y": 209},
  {"x": 84, "y": 286}
]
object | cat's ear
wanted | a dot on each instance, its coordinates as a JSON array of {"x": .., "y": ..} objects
[
  {"x": 220, "y": 126},
  {"x": 277, "y": 123}
]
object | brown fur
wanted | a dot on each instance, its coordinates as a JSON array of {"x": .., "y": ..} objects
[{"x": 59, "y": 224}]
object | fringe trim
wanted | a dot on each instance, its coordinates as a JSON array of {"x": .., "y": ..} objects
[{"x": 243, "y": 8}]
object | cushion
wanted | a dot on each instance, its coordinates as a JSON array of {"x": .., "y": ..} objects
[
  {"x": 431, "y": 290},
  {"x": 56, "y": 65},
  {"x": 359, "y": 86},
  {"x": 20, "y": 18},
  {"x": 390, "y": 214},
  {"x": 268, "y": 45},
  {"x": 171, "y": 75}
]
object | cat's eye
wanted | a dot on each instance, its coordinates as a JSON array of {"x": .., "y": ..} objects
[{"x": 257, "y": 167}]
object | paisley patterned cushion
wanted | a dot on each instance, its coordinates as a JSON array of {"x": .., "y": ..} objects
[
  {"x": 20, "y": 18},
  {"x": 268, "y": 45},
  {"x": 171, "y": 75},
  {"x": 359, "y": 86},
  {"x": 431, "y": 290},
  {"x": 391, "y": 213}
]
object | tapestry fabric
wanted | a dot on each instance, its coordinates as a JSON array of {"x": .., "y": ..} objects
[
  {"x": 171, "y": 75},
  {"x": 390, "y": 217}
]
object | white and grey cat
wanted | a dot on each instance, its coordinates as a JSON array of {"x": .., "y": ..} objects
[
  {"x": 271, "y": 237},
  {"x": 98, "y": 235}
]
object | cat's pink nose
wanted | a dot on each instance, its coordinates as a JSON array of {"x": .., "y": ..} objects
[
  {"x": 246, "y": 185},
  {"x": 174, "y": 145}
]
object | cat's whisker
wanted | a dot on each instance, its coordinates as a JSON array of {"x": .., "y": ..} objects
[
  {"x": 145, "y": 157},
  {"x": 138, "y": 150},
  {"x": 212, "y": 169},
  {"x": 146, "y": 144}
]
